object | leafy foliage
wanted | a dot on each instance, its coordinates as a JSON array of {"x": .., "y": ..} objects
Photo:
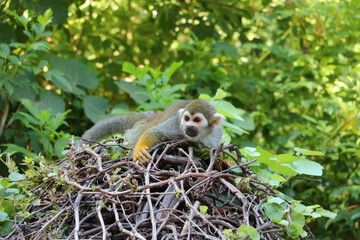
[{"x": 155, "y": 86}]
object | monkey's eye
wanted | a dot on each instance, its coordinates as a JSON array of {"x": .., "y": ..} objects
[
  {"x": 197, "y": 119},
  {"x": 187, "y": 118}
]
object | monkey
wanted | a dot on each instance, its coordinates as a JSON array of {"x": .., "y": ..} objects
[{"x": 194, "y": 120}]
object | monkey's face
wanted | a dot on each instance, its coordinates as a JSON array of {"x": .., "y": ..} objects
[{"x": 194, "y": 125}]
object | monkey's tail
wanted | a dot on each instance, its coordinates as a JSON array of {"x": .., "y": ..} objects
[{"x": 113, "y": 125}]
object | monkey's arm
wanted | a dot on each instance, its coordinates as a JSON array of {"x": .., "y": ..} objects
[
  {"x": 147, "y": 140},
  {"x": 168, "y": 130}
]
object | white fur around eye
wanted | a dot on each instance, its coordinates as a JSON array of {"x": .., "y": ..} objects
[
  {"x": 181, "y": 111},
  {"x": 203, "y": 121}
]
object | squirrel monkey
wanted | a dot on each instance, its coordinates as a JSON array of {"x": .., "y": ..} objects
[{"x": 195, "y": 120}]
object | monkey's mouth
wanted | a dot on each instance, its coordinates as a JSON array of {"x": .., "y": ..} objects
[{"x": 191, "y": 131}]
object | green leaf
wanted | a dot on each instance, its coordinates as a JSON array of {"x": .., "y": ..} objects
[
  {"x": 355, "y": 215},
  {"x": 238, "y": 180},
  {"x": 129, "y": 68},
  {"x": 274, "y": 211},
  {"x": 282, "y": 222},
  {"x": 286, "y": 158},
  {"x": 203, "y": 209},
  {"x": 155, "y": 72},
  {"x": 226, "y": 138},
  {"x": 304, "y": 166},
  {"x": 244, "y": 230},
  {"x": 23, "y": 21},
  {"x": 142, "y": 73},
  {"x": 51, "y": 100},
  {"x": 276, "y": 200},
  {"x": 75, "y": 72},
  {"x": 308, "y": 152},
  {"x": 3, "y": 216},
  {"x": 252, "y": 152},
  {"x": 227, "y": 232},
  {"x": 228, "y": 49},
  {"x": 45, "y": 19},
  {"x": 2, "y": 191},
  {"x": 233, "y": 128},
  {"x": 10, "y": 192},
  {"x": 254, "y": 235},
  {"x": 277, "y": 177},
  {"x": 298, "y": 207},
  {"x": 274, "y": 163},
  {"x": 226, "y": 109},
  {"x": 313, "y": 120},
  {"x": 138, "y": 94},
  {"x": 40, "y": 46},
  {"x": 204, "y": 96},
  {"x": 60, "y": 144},
  {"x": 178, "y": 192},
  {"x": 326, "y": 213},
  {"x": 59, "y": 8},
  {"x": 295, "y": 230},
  {"x": 14, "y": 176},
  {"x": 169, "y": 91},
  {"x": 173, "y": 67},
  {"x": 275, "y": 183},
  {"x": 57, "y": 77},
  {"x": 315, "y": 215},
  {"x": 14, "y": 59},
  {"x": 6, "y": 227},
  {"x": 28, "y": 118},
  {"x": 298, "y": 218},
  {"x": 36, "y": 202},
  {"x": 247, "y": 124},
  {"x": 95, "y": 108},
  {"x": 220, "y": 94},
  {"x": 9, "y": 88},
  {"x": 4, "y": 50},
  {"x": 29, "y": 105},
  {"x": 43, "y": 63}
]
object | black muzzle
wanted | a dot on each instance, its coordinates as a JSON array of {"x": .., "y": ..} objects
[{"x": 191, "y": 131}]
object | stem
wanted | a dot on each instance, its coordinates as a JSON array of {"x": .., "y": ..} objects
[{"x": 4, "y": 115}]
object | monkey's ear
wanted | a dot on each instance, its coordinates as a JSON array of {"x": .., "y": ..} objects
[
  {"x": 217, "y": 119},
  {"x": 181, "y": 111}
]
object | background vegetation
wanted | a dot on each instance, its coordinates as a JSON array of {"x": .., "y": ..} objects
[{"x": 290, "y": 67}]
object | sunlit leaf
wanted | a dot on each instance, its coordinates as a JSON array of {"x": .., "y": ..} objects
[
  {"x": 308, "y": 152},
  {"x": 226, "y": 109},
  {"x": 304, "y": 166},
  {"x": 220, "y": 94}
]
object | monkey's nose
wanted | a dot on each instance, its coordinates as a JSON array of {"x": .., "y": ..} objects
[{"x": 191, "y": 131}]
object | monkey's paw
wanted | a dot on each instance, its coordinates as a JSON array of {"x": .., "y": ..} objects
[{"x": 141, "y": 154}]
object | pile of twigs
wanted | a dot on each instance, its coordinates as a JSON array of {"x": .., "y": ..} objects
[{"x": 98, "y": 198}]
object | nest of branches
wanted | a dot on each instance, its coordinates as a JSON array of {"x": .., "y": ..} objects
[{"x": 177, "y": 196}]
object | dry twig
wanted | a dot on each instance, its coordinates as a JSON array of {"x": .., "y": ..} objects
[{"x": 160, "y": 201}]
